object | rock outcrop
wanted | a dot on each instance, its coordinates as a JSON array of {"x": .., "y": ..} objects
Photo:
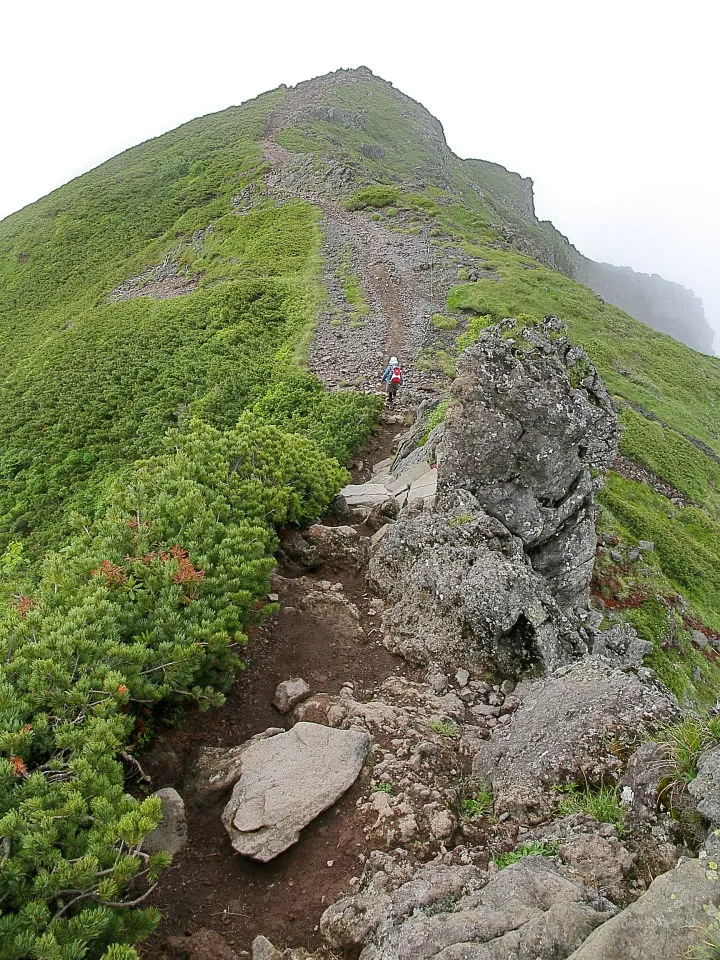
[
  {"x": 496, "y": 572},
  {"x": 443, "y": 911},
  {"x": 286, "y": 781},
  {"x": 531, "y": 422},
  {"x": 461, "y": 590},
  {"x": 573, "y": 727}
]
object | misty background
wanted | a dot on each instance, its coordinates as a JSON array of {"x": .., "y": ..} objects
[{"x": 610, "y": 107}]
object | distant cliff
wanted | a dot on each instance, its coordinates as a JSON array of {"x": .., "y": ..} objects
[{"x": 659, "y": 303}]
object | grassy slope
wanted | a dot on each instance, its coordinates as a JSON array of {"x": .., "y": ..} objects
[{"x": 90, "y": 385}]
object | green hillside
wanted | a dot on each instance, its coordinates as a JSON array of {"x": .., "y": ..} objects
[{"x": 153, "y": 444}]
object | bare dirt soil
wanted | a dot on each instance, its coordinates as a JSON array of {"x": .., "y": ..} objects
[{"x": 208, "y": 884}]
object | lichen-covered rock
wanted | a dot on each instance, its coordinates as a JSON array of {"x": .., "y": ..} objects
[
  {"x": 524, "y": 440},
  {"x": 460, "y": 590},
  {"x": 705, "y": 788},
  {"x": 571, "y": 728},
  {"x": 665, "y": 923},
  {"x": 593, "y": 852},
  {"x": 527, "y": 910},
  {"x": 640, "y": 785}
]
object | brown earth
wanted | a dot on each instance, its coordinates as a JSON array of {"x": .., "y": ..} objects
[{"x": 208, "y": 884}]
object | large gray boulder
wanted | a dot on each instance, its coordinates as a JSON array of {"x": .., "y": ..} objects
[
  {"x": 666, "y": 922},
  {"x": 526, "y": 441},
  {"x": 460, "y": 590},
  {"x": 572, "y": 727},
  {"x": 527, "y": 910},
  {"x": 286, "y": 781}
]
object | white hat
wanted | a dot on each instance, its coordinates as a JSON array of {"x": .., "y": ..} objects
[{"x": 393, "y": 360}]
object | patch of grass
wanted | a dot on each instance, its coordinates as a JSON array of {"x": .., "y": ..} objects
[
  {"x": 708, "y": 947},
  {"x": 686, "y": 740},
  {"x": 443, "y": 322},
  {"x": 602, "y": 804},
  {"x": 687, "y": 541},
  {"x": 672, "y": 457},
  {"x": 385, "y": 787},
  {"x": 533, "y": 848},
  {"x": 375, "y": 197},
  {"x": 446, "y": 728},
  {"x": 352, "y": 288},
  {"x": 460, "y": 519},
  {"x": 475, "y": 799},
  {"x": 437, "y": 416}
]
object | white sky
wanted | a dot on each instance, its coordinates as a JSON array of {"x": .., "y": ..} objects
[{"x": 611, "y": 107}]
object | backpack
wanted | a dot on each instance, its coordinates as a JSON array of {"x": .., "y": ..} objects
[{"x": 396, "y": 375}]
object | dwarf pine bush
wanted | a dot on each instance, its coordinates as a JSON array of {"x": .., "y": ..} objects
[{"x": 148, "y": 604}]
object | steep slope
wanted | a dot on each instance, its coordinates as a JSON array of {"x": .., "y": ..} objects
[{"x": 165, "y": 306}]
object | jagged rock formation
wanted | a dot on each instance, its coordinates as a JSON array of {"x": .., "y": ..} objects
[
  {"x": 525, "y": 441},
  {"x": 460, "y": 590},
  {"x": 483, "y": 577}
]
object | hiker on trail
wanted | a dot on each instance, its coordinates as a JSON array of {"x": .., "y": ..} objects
[{"x": 393, "y": 378}]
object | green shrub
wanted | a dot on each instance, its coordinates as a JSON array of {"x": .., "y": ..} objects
[
  {"x": 146, "y": 605},
  {"x": 375, "y": 197}
]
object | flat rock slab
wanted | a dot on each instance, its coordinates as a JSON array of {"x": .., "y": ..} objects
[
  {"x": 287, "y": 781},
  {"x": 365, "y": 494}
]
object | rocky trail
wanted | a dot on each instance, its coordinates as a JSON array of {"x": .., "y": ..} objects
[
  {"x": 403, "y": 276},
  {"x": 390, "y": 764},
  {"x": 402, "y": 798},
  {"x": 209, "y": 886}
]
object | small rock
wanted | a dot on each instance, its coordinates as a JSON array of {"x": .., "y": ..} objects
[
  {"x": 646, "y": 545},
  {"x": 171, "y": 833},
  {"x": 289, "y": 693},
  {"x": 273, "y": 597},
  {"x": 462, "y": 676},
  {"x": 507, "y": 686},
  {"x": 263, "y": 949},
  {"x": 439, "y": 682}
]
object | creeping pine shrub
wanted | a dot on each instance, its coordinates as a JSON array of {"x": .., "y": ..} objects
[{"x": 146, "y": 605}]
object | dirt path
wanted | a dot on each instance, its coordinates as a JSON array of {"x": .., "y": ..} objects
[{"x": 209, "y": 885}]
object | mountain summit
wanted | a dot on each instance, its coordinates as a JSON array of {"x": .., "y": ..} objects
[{"x": 383, "y": 134}]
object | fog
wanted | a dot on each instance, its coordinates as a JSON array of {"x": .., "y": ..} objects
[{"x": 610, "y": 107}]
